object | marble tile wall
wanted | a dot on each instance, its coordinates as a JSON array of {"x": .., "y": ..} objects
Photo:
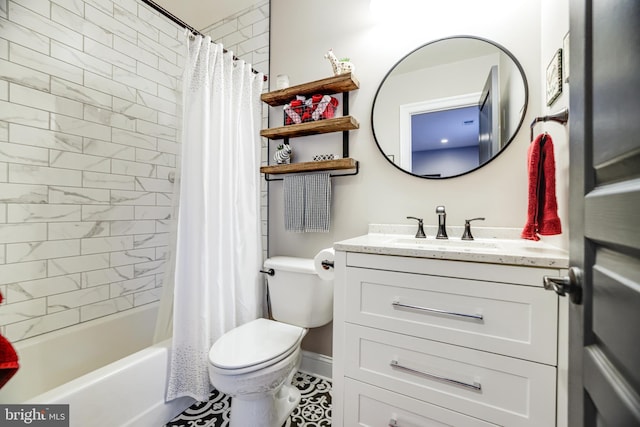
[{"x": 89, "y": 131}]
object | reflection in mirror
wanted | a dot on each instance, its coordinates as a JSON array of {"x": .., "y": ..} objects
[{"x": 449, "y": 107}]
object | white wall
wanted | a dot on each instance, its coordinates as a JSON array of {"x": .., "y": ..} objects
[{"x": 301, "y": 32}]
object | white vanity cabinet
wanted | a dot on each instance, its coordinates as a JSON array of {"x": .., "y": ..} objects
[{"x": 436, "y": 342}]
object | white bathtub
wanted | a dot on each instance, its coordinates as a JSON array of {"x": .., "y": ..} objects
[{"x": 105, "y": 370}]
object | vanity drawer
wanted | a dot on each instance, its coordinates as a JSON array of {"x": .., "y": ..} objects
[
  {"x": 494, "y": 388},
  {"x": 366, "y": 405},
  {"x": 518, "y": 321}
]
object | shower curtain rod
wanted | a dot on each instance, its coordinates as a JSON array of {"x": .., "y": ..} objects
[{"x": 183, "y": 24}]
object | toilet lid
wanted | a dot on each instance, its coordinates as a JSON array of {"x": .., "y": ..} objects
[{"x": 254, "y": 343}]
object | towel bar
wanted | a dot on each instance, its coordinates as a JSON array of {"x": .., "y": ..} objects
[{"x": 561, "y": 117}]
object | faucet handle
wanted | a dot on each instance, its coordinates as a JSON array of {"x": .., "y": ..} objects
[
  {"x": 467, "y": 228},
  {"x": 420, "y": 233}
]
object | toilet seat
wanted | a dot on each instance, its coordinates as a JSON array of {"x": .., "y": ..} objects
[{"x": 254, "y": 345}]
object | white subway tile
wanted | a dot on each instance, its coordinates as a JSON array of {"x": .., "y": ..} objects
[
  {"x": 163, "y": 199},
  {"x": 77, "y": 23},
  {"x": 218, "y": 31},
  {"x": 42, "y": 7},
  {"x": 105, "y": 6},
  {"x": 170, "y": 69},
  {"x": 131, "y": 20},
  {"x": 164, "y": 226},
  {"x": 108, "y": 22},
  {"x": 80, "y": 127},
  {"x": 106, "y": 244},
  {"x": 45, "y": 101},
  {"x": 132, "y": 227},
  {"x": 155, "y": 157},
  {"x": 254, "y": 43},
  {"x": 165, "y": 172},
  {"x": 128, "y": 5},
  {"x": 125, "y": 167},
  {"x": 10, "y": 273},
  {"x": 163, "y": 253},
  {"x": 75, "y": 230},
  {"x": 23, "y": 115},
  {"x": 169, "y": 95},
  {"x": 152, "y": 212},
  {"x": 134, "y": 51},
  {"x": 2, "y": 261},
  {"x": 4, "y": 88},
  {"x": 4, "y": 131},
  {"x": 4, "y": 171},
  {"x": 3, "y": 8},
  {"x": 13, "y": 233},
  {"x": 24, "y": 310},
  {"x": 107, "y": 213},
  {"x": 109, "y": 118},
  {"x": 27, "y": 174},
  {"x": 78, "y": 195},
  {"x": 42, "y": 213},
  {"x": 32, "y": 289},
  {"x": 132, "y": 109},
  {"x": 167, "y": 146},
  {"x": 134, "y": 285},
  {"x": 32, "y": 251},
  {"x": 156, "y": 76},
  {"x": 153, "y": 46},
  {"x": 157, "y": 103},
  {"x": 3, "y": 213},
  {"x": 42, "y": 325},
  {"x": 155, "y": 130},
  {"x": 133, "y": 139},
  {"x": 44, "y": 26},
  {"x": 106, "y": 180},
  {"x": 148, "y": 296},
  {"x": 73, "y": 299},
  {"x": 151, "y": 240},
  {"x": 21, "y": 193},
  {"x": 161, "y": 23},
  {"x": 24, "y": 36},
  {"x": 149, "y": 268},
  {"x": 27, "y": 135},
  {"x": 85, "y": 162},
  {"x": 107, "y": 149},
  {"x": 44, "y": 63},
  {"x": 139, "y": 80},
  {"x": 131, "y": 257},
  {"x": 105, "y": 308},
  {"x": 154, "y": 184},
  {"x": 122, "y": 197},
  {"x": 109, "y": 86},
  {"x": 23, "y": 75},
  {"x": 17, "y": 153},
  {"x": 112, "y": 56},
  {"x": 78, "y": 264},
  {"x": 75, "y": 6},
  {"x": 80, "y": 93},
  {"x": 74, "y": 56},
  {"x": 107, "y": 275}
]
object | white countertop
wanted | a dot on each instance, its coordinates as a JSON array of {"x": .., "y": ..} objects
[{"x": 491, "y": 245}]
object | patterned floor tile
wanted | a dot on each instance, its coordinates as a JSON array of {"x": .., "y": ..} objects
[{"x": 314, "y": 409}]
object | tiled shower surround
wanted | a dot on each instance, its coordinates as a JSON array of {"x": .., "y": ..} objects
[{"x": 89, "y": 132}]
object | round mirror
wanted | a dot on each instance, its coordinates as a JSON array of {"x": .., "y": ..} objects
[{"x": 449, "y": 107}]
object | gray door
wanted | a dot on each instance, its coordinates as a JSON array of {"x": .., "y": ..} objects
[
  {"x": 604, "y": 353},
  {"x": 489, "y": 114}
]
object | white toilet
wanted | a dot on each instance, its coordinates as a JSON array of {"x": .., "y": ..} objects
[{"x": 254, "y": 363}]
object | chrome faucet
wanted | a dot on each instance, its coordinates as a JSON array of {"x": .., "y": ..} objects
[
  {"x": 420, "y": 233},
  {"x": 442, "y": 230}
]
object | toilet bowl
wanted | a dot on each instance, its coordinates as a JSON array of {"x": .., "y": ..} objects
[{"x": 255, "y": 362}]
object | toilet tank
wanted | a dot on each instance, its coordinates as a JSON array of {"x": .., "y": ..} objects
[{"x": 298, "y": 295}]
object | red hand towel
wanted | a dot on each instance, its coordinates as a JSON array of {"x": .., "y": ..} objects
[
  {"x": 542, "y": 210},
  {"x": 8, "y": 359}
]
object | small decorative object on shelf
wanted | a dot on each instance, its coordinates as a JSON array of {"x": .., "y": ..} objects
[
  {"x": 283, "y": 154},
  {"x": 303, "y": 110},
  {"x": 340, "y": 66},
  {"x": 322, "y": 157}
]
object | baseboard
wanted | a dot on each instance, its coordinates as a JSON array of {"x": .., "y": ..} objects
[{"x": 316, "y": 364}]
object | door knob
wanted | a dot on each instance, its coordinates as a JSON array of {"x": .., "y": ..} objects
[{"x": 571, "y": 284}]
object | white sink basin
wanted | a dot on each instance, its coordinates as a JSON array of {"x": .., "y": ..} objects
[{"x": 450, "y": 244}]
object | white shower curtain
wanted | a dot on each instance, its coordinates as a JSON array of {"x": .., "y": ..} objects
[{"x": 216, "y": 281}]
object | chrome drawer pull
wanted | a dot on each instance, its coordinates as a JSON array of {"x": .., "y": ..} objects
[
  {"x": 475, "y": 386},
  {"x": 396, "y": 303}
]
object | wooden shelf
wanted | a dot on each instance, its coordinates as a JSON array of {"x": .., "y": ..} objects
[
  {"x": 336, "y": 124},
  {"x": 341, "y": 83},
  {"x": 324, "y": 165}
]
